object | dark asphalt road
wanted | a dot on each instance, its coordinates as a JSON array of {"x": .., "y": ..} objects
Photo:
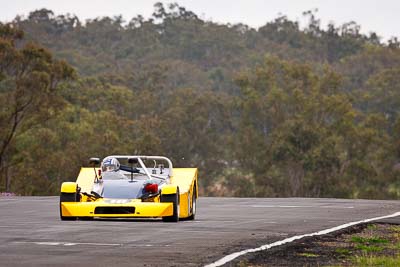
[{"x": 31, "y": 233}]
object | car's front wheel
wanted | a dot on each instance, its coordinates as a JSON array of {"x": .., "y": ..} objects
[
  {"x": 67, "y": 197},
  {"x": 193, "y": 209},
  {"x": 174, "y": 198}
]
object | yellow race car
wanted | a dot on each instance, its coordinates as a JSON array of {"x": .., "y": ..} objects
[{"x": 131, "y": 187}]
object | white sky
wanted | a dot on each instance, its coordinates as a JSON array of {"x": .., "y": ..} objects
[{"x": 381, "y": 16}]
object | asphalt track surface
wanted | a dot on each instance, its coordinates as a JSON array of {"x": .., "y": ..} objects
[{"x": 31, "y": 233}]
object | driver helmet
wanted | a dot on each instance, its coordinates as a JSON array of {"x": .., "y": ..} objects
[{"x": 109, "y": 165}]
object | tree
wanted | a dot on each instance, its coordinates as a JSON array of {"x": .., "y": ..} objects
[
  {"x": 28, "y": 90},
  {"x": 313, "y": 111},
  {"x": 300, "y": 135}
]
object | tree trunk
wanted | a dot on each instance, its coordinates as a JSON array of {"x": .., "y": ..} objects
[
  {"x": 8, "y": 179},
  {"x": 2, "y": 174},
  {"x": 296, "y": 175}
]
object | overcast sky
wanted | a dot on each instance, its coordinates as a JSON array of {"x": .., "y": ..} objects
[{"x": 380, "y": 16}]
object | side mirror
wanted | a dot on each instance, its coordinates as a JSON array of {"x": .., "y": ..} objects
[
  {"x": 133, "y": 160},
  {"x": 94, "y": 161}
]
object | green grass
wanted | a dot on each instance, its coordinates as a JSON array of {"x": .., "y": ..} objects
[
  {"x": 343, "y": 251},
  {"x": 369, "y": 240},
  {"x": 368, "y": 248},
  {"x": 308, "y": 255},
  {"x": 373, "y": 248},
  {"x": 395, "y": 229},
  {"x": 377, "y": 261},
  {"x": 369, "y": 244}
]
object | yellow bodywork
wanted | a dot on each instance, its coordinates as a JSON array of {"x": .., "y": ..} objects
[
  {"x": 184, "y": 180},
  {"x": 68, "y": 187},
  {"x": 142, "y": 209},
  {"x": 169, "y": 189}
]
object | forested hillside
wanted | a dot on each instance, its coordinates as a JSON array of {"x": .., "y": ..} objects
[{"x": 275, "y": 111}]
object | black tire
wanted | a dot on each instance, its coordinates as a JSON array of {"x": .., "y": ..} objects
[
  {"x": 67, "y": 197},
  {"x": 174, "y": 198},
  {"x": 194, "y": 206}
]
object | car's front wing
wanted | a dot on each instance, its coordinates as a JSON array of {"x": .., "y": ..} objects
[{"x": 101, "y": 209}]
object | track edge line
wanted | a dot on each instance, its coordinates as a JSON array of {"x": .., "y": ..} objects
[{"x": 232, "y": 256}]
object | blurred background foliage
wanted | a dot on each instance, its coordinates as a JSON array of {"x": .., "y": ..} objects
[{"x": 271, "y": 112}]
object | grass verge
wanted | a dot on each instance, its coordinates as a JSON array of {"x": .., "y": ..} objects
[{"x": 362, "y": 245}]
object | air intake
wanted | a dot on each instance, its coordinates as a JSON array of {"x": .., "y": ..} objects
[{"x": 114, "y": 210}]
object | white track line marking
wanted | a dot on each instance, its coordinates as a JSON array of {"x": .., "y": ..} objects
[
  {"x": 279, "y": 206},
  {"x": 233, "y": 256},
  {"x": 66, "y": 243},
  {"x": 287, "y": 206}
]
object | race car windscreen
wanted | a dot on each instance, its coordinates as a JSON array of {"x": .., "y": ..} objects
[{"x": 122, "y": 189}]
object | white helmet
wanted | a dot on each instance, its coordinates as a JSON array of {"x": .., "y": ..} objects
[{"x": 110, "y": 164}]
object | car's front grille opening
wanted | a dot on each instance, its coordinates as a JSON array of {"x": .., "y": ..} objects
[{"x": 114, "y": 210}]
